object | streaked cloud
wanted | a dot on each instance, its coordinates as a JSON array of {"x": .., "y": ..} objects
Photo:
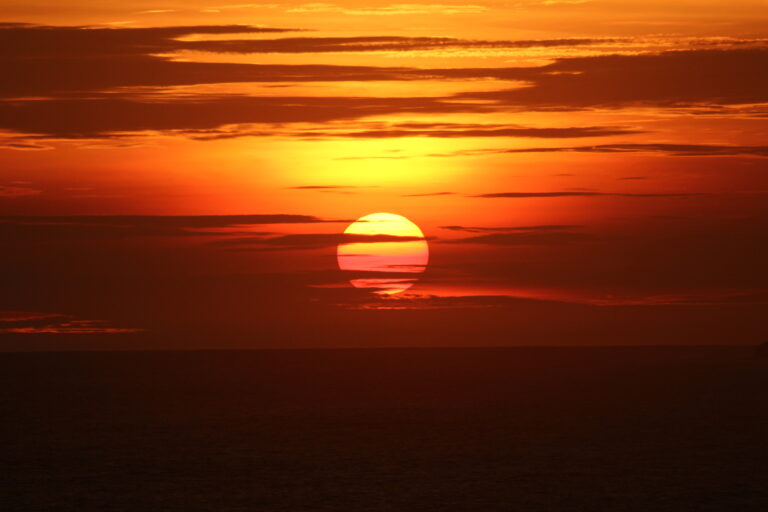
[
  {"x": 666, "y": 79},
  {"x": 156, "y": 11},
  {"x": 116, "y": 81},
  {"x": 379, "y": 44},
  {"x": 671, "y": 149},
  {"x": 544, "y": 235},
  {"x": 311, "y": 240},
  {"x": 485, "y": 229},
  {"x": 390, "y": 10},
  {"x": 16, "y": 229},
  {"x": 458, "y": 130},
  {"x": 528, "y": 195},
  {"x": 677, "y": 150},
  {"x": 200, "y": 117},
  {"x": 22, "y": 145},
  {"x": 430, "y": 194},
  {"x": 322, "y": 187},
  {"x": 17, "y": 191},
  {"x": 21, "y": 322}
]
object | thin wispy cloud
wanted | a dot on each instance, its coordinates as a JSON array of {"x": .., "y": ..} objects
[
  {"x": 21, "y": 322},
  {"x": 10, "y": 191},
  {"x": 527, "y": 238},
  {"x": 311, "y": 240},
  {"x": 310, "y": 44},
  {"x": 458, "y": 130},
  {"x": 482, "y": 229},
  {"x": 111, "y": 74},
  {"x": 671, "y": 149},
  {"x": 675, "y": 150},
  {"x": 430, "y": 194},
  {"x": 390, "y": 10},
  {"x": 15, "y": 229},
  {"x": 528, "y": 195}
]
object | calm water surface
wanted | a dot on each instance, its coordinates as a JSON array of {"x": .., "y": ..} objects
[{"x": 547, "y": 429}]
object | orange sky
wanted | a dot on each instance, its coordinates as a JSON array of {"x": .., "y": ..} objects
[{"x": 584, "y": 171}]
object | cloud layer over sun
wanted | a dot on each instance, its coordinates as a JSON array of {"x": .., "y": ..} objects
[{"x": 578, "y": 167}]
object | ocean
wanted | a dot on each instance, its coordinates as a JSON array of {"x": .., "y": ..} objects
[{"x": 482, "y": 429}]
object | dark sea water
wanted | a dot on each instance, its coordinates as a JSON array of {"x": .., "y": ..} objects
[{"x": 518, "y": 429}]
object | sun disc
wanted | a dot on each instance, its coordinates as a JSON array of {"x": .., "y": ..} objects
[{"x": 396, "y": 262}]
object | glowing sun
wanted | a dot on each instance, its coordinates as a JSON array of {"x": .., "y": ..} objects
[{"x": 397, "y": 260}]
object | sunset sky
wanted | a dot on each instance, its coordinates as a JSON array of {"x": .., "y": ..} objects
[{"x": 181, "y": 174}]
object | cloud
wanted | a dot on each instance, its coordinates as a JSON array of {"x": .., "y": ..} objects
[
  {"x": 26, "y": 316},
  {"x": 16, "y": 191},
  {"x": 458, "y": 130},
  {"x": 197, "y": 117},
  {"x": 540, "y": 227},
  {"x": 95, "y": 82},
  {"x": 197, "y": 298},
  {"x": 71, "y": 327},
  {"x": 379, "y": 44},
  {"x": 607, "y": 77},
  {"x": 376, "y": 130},
  {"x": 26, "y": 41},
  {"x": 333, "y": 189},
  {"x": 390, "y": 10},
  {"x": 338, "y": 189},
  {"x": 431, "y": 194},
  {"x": 22, "y": 145},
  {"x": 692, "y": 297},
  {"x": 176, "y": 221},
  {"x": 311, "y": 240},
  {"x": 672, "y": 149},
  {"x": 24, "y": 322},
  {"x": 526, "y": 238},
  {"x": 535, "y": 235},
  {"x": 322, "y": 187},
  {"x": 15, "y": 229},
  {"x": 49, "y": 60},
  {"x": 156, "y": 11},
  {"x": 634, "y": 260},
  {"x": 525, "y": 195},
  {"x": 566, "y": 2},
  {"x": 219, "y": 8},
  {"x": 676, "y": 150},
  {"x": 511, "y": 299},
  {"x": 666, "y": 79},
  {"x": 400, "y": 157}
]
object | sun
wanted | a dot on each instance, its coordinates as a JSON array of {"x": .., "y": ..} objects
[{"x": 384, "y": 267}]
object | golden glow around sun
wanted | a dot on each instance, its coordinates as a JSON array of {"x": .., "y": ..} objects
[{"x": 397, "y": 261}]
